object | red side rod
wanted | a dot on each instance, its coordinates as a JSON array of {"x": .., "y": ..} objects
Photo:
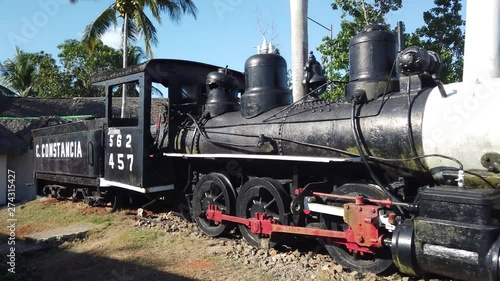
[{"x": 264, "y": 226}]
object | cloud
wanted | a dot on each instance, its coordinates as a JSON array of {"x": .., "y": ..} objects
[{"x": 113, "y": 37}]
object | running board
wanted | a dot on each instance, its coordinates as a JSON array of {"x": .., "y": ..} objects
[
  {"x": 264, "y": 157},
  {"x": 105, "y": 183}
]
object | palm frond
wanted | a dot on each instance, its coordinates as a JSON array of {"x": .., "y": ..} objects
[
  {"x": 147, "y": 29},
  {"x": 155, "y": 10},
  {"x": 135, "y": 55},
  {"x": 138, "y": 22},
  {"x": 156, "y": 92},
  {"x": 28, "y": 92},
  {"x": 18, "y": 73},
  {"x": 174, "y": 8},
  {"x": 188, "y": 7},
  {"x": 133, "y": 33},
  {"x": 4, "y": 69},
  {"x": 76, "y": 1},
  {"x": 101, "y": 24},
  {"x": 5, "y": 91},
  {"x": 170, "y": 7}
]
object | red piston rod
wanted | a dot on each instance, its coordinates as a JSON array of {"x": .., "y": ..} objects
[
  {"x": 361, "y": 238},
  {"x": 264, "y": 226},
  {"x": 360, "y": 199}
]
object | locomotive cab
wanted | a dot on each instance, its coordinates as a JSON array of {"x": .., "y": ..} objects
[{"x": 132, "y": 157}]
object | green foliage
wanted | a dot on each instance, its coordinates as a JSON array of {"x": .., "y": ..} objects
[
  {"x": 141, "y": 238},
  {"x": 38, "y": 74},
  {"x": 33, "y": 74},
  {"x": 365, "y": 12},
  {"x": 80, "y": 66},
  {"x": 5, "y": 91},
  {"x": 442, "y": 33},
  {"x": 17, "y": 75},
  {"x": 49, "y": 81}
]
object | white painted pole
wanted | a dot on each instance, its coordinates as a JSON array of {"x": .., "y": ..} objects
[
  {"x": 482, "y": 40},
  {"x": 125, "y": 51},
  {"x": 298, "y": 13}
]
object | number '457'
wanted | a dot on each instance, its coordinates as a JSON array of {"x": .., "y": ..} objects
[{"x": 122, "y": 161}]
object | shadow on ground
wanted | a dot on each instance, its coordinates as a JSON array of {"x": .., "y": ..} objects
[{"x": 58, "y": 264}]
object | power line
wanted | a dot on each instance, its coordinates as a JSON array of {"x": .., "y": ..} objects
[{"x": 329, "y": 29}]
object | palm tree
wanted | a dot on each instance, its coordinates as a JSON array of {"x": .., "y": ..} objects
[
  {"x": 135, "y": 55},
  {"x": 5, "y": 91},
  {"x": 135, "y": 23},
  {"x": 298, "y": 10},
  {"x": 17, "y": 75}
]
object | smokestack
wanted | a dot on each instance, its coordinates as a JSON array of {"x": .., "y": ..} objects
[{"x": 482, "y": 40}]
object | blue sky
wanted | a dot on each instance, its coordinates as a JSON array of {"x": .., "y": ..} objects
[{"x": 225, "y": 32}]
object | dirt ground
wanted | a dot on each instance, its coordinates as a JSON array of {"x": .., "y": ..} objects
[{"x": 117, "y": 251}]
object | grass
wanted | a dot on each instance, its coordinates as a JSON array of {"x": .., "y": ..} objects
[
  {"x": 46, "y": 214},
  {"x": 140, "y": 238}
]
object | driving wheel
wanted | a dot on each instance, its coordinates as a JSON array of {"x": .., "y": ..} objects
[
  {"x": 213, "y": 189},
  {"x": 380, "y": 262},
  {"x": 262, "y": 195}
]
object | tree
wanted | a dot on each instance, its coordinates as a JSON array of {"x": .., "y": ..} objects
[
  {"x": 356, "y": 14},
  {"x": 135, "y": 55},
  {"x": 33, "y": 74},
  {"x": 80, "y": 66},
  {"x": 5, "y": 91},
  {"x": 135, "y": 22},
  {"x": 17, "y": 75},
  {"x": 442, "y": 33},
  {"x": 48, "y": 80},
  {"x": 38, "y": 74}
]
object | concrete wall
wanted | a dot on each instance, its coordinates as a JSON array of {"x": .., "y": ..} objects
[
  {"x": 3, "y": 179},
  {"x": 22, "y": 165}
]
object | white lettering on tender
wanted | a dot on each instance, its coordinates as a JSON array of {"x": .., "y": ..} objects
[{"x": 69, "y": 149}]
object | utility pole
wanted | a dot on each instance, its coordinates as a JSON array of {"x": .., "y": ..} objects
[{"x": 298, "y": 13}]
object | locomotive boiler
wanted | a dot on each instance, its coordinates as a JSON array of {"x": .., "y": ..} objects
[{"x": 402, "y": 173}]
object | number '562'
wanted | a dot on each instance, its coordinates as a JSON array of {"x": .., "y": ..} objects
[{"x": 128, "y": 143}]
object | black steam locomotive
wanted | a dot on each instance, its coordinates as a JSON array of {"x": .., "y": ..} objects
[{"x": 367, "y": 177}]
